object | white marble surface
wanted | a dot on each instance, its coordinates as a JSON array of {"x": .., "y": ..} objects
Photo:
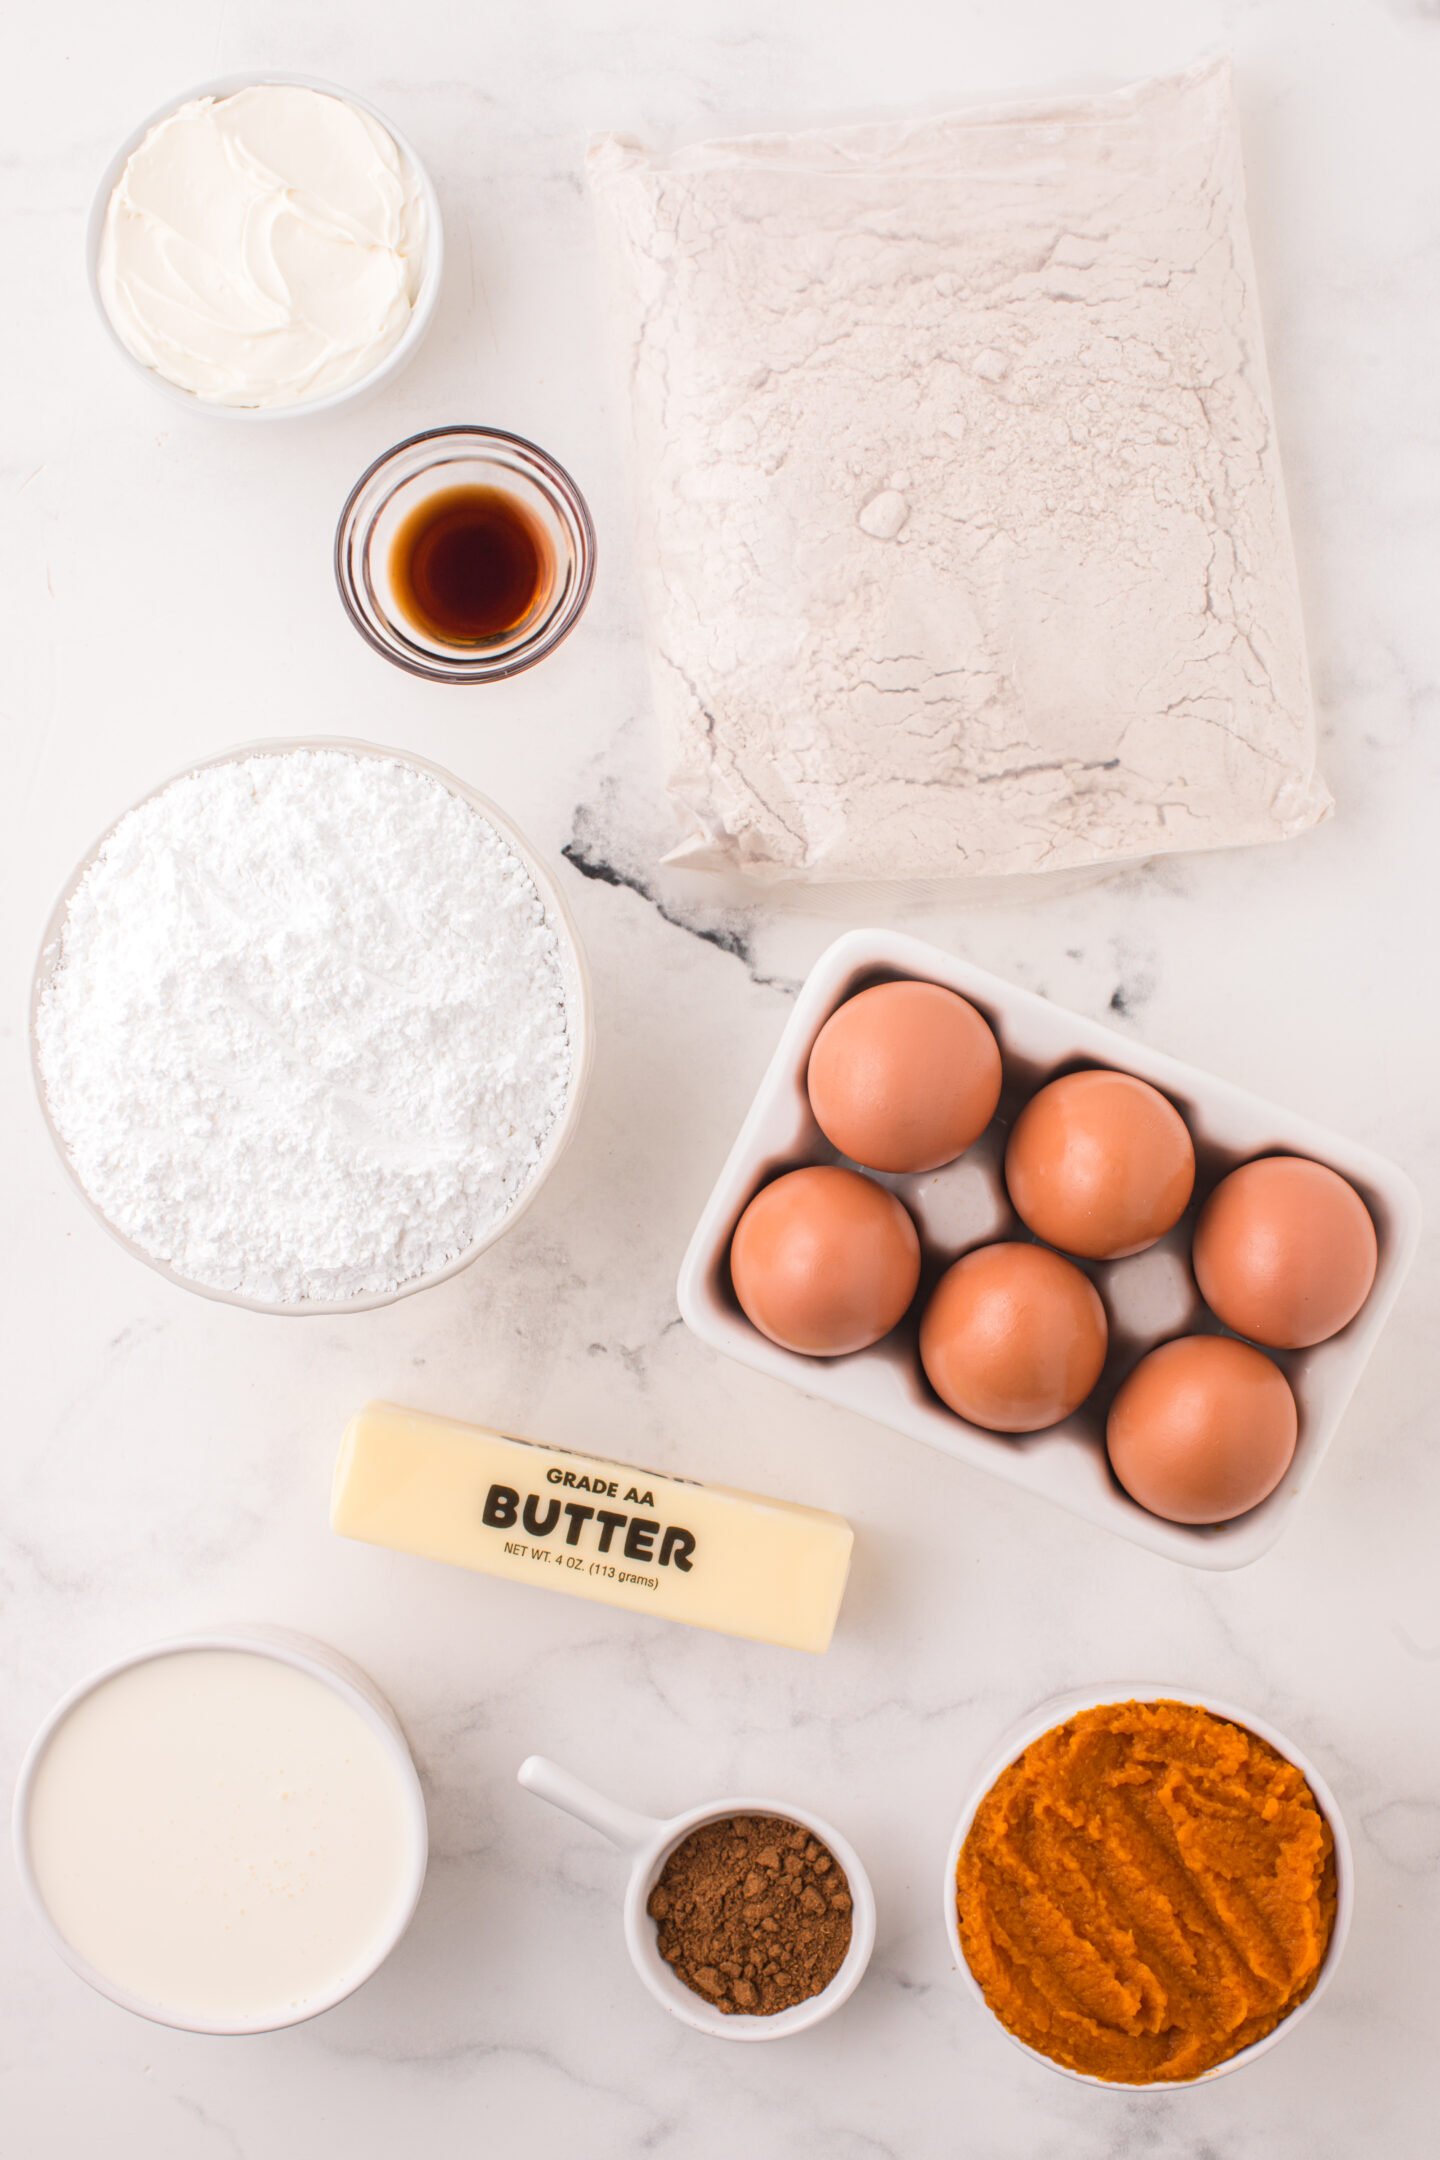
[{"x": 166, "y": 1461}]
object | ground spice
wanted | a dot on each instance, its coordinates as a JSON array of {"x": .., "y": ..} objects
[{"x": 753, "y": 1913}]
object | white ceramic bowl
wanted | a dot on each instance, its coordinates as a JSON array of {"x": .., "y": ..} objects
[
  {"x": 1055, "y": 1712},
  {"x": 421, "y": 316},
  {"x": 649, "y": 1841},
  {"x": 321, "y": 1663},
  {"x": 1150, "y": 1298},
  {"x": 578, "y": 1008}
]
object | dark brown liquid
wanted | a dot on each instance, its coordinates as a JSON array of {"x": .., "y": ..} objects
[{"x": 470, "y": 564}]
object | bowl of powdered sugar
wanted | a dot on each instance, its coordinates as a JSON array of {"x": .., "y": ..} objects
[{"x": 311, "y": 1027}]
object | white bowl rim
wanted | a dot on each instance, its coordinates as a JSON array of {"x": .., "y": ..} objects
[
  {"x": 1042, "y": 1719},
  {"x": 692, "y": 2009},
  {"x": 287, "y": 1647},
  {"x": 579, "y": 1018},
  {"x": 426, "y": 299}
]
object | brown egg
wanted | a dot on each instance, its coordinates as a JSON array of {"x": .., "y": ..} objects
[
  {"x": 1285, "y": 1251},
  {"x": 825, "y": 1261},
  {"x": 1203, "y": 1429},
  {"x": 1100, "y": 1164},
  {"x": 1013, "y": 1337},
  {"x": 904, "y": 1076}
]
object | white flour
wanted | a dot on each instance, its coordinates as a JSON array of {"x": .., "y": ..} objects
[
  {"x": 967, "y": 547},
  {"x": 307, "y": 1032}
]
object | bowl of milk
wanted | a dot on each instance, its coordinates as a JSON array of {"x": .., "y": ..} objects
[{"x": 224, "y": 1832}]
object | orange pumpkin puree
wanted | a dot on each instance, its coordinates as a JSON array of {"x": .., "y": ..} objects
[{"x": 1145, "y": 1891}]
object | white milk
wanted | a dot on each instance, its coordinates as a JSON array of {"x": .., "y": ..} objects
[{"x": 223, "y": 1837}]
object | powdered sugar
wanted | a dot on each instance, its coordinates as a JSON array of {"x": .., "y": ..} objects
[{"x": 306, "y": 1033}]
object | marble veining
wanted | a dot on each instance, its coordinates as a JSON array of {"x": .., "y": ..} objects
[{"x": 724, "y": 938}]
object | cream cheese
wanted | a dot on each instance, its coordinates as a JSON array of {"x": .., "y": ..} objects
[{"x": 264, "y": 249}]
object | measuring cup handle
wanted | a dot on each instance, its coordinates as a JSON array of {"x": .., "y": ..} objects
[{"x": 621, "y": 1825}]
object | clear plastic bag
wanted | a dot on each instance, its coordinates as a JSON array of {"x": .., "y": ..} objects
[{"x": 963, "y": 526}]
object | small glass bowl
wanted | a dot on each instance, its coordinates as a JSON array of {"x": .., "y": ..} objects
[{"x": 423, "y": 465}]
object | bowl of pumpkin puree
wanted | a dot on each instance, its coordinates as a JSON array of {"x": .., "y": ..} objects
[{"x": 1148, "y": 1888}]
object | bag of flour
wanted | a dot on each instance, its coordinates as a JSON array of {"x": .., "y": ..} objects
[{"x": 964, "y": 532}]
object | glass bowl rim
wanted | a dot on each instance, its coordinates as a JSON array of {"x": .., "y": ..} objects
[{"x": 559, "y": 625}]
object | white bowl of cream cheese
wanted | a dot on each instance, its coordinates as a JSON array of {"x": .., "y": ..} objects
[{"x": 266, "y": 246}]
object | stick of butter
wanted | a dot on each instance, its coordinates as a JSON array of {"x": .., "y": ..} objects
[{"x": 766, "y": 1569}]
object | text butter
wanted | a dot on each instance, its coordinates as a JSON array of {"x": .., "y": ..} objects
[{"x": 766, "y": 1569}]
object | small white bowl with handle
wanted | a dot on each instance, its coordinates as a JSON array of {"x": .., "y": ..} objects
[
  {"x": 1043, "y": 1719},
  {"x": 649, "y": 1840}
]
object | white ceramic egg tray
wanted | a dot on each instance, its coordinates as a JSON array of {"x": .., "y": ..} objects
[{"x": 1149, "y": 1298}]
